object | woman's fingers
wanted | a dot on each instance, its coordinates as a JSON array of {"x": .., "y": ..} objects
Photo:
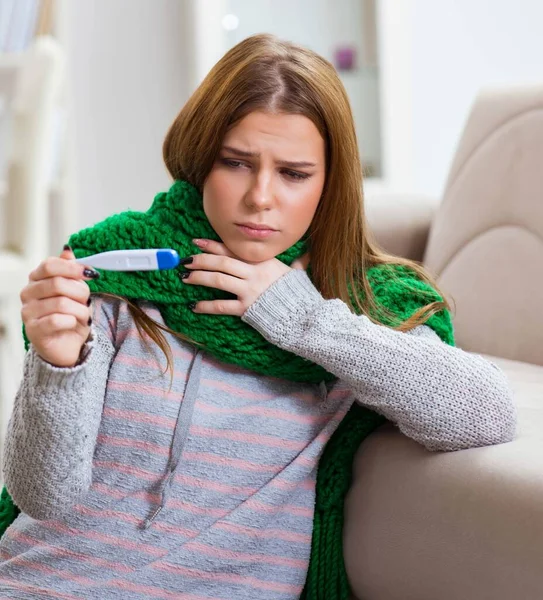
[
  {"x": 56, "y": 286},
  {"x": 212, "y": 279},
  {"x": 54, "y": 265},
  {"x": 51, "y": 325},
  {"x": 56, "y": 310},
  {"x": 216, "y": 268},
  {"x": 220, "y": 264},
  {"x": 67, "y": 253},
  {"x": 213, "y": 247},
  {"x": 60, "y": 267},
  {"x": 219, "y": 307},
  {"x": 59, "y": 305}
]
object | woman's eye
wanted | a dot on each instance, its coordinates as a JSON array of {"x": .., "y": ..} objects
[
  {"x": 232, "y": 163},
  {"x": 229, "y": 162},
  {"x": 296, "y": 175}
]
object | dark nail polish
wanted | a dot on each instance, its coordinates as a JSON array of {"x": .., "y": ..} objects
[
  {"x": 192, "y": 305},
  {"x": 89, "y": 301},
  {"x": 184, "y": 275},
  {"x": 186, "y": 261},
  {"x": 91, "y": 273},
  {"x": 67, "y": 247},
  {"x": 89, "y": 323}
]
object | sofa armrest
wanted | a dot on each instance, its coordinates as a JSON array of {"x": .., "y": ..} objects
[
  {"x": 467, "y": 524},
  {"x": 401, "y": 223}
]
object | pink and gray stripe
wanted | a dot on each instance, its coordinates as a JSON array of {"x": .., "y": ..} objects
[{"x": 235, "y": 474}]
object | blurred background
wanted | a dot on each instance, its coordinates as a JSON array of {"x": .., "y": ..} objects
[{"x": 89, "y": 89}]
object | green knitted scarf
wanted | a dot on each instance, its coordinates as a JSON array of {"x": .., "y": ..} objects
[{"x": 174, "y": 219}]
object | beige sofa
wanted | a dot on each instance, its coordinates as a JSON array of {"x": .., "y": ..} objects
[{"x": 466, "y": 525}]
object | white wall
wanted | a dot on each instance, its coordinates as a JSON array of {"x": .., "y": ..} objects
[
  {"x": 394, "y": 50},
  {"x": 129, "y": 70},
  {"x": 444, "y": 52}
]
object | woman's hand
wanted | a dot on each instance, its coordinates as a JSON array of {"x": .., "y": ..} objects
[
  {"x": 56, "y": 310},
  {"x": 218, "y": 268}
]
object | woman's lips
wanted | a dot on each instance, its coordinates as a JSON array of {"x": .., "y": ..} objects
[{"x": 255, "y": 233}]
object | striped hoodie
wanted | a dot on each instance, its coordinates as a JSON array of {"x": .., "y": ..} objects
[{"x": 200, "y": 486}]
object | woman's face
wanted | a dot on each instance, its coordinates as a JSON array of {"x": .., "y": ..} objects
[{"x": 263, "y": 190}]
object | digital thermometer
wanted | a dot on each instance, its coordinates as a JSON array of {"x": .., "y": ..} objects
[{"x": 151, "y": 259}]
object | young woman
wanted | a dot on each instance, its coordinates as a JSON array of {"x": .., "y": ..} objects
[{"x": 166, "y": 438}]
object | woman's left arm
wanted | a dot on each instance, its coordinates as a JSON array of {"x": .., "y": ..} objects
[{"x": 441, "y": 396}]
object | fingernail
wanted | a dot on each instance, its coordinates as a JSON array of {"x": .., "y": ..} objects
[
  {"x": 67, "y": 247},
  {"x": 89, "y": 301},
  {"x": 186, "y": 261},
  {"x": 89, "y": 322},
  {"x": 192, "y": 305},
  {"x": 184, "y": 275},
  {"x": 200, "y": 242},
  {"x": 91, "y": 273}
]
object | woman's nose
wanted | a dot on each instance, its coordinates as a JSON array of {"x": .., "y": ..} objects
[{"x": 261, "y": 194}]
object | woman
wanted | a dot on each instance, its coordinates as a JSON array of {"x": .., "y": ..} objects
[{"x": 169, "y": 445}]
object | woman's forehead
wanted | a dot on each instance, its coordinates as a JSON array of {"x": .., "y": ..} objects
[{"x": 261, "y": 132}]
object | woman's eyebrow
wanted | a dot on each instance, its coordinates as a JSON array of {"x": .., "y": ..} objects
[{"x": 286, "y": 163}]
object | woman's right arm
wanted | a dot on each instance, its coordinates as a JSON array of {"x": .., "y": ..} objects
[{"x": 53, "y": 428}]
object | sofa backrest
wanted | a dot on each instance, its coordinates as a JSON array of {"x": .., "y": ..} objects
[{"x": 486, "y": 241}]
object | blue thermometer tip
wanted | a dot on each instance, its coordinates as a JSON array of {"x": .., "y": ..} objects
[{"x": 167, "y": 259}]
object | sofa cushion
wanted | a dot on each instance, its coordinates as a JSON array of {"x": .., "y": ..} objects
[
  {"x": 467, "y": 524},
  {"x": 486, "y": 242},
  {"x": 527, "y": 383}
]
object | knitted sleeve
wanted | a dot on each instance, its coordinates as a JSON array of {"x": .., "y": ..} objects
[
  {"x": 53, "y": 428},
  {"x": 440, "y": 396}
]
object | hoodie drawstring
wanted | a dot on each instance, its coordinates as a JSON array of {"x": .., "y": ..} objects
[
  {"x": 323, "y": 391},
  {"x": 182, "y": 426}
]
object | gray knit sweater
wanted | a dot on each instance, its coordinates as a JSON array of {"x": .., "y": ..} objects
[{"x": 133, "y": 486}]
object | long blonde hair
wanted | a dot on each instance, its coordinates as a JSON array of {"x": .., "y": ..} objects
[{"x": 267, "y": 74}]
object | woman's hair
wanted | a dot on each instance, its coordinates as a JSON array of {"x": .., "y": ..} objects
[{"x": 263, "y": 73}]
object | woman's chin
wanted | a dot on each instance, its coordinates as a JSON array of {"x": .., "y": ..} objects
[{"x": 253, "y": 252}]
